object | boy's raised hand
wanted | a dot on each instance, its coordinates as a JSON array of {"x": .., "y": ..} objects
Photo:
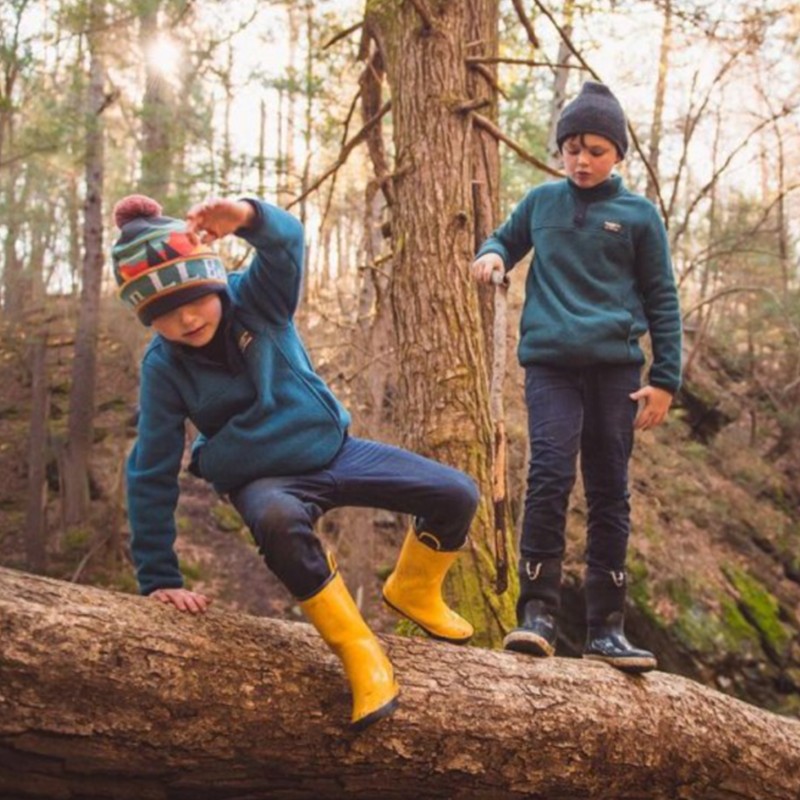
[
  {"x": 483, "y": 267},
  {"x": 217, "y": 217},
  {"x": 182, "y": 599}
]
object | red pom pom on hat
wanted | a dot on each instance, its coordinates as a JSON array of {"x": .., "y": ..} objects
[{"x": 133, "y": 207}]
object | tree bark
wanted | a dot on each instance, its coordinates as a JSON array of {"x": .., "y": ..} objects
[
  {"x": 441, "y": 349},
  {"x": 105, "y": 695}
]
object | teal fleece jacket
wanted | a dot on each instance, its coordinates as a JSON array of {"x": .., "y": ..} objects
[
  {"x": 264, "y": 413},
  {"x": 600, "y": 278}
]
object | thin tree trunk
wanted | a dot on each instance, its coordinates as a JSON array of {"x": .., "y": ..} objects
[
  {"x": 12, "y": 61},
  {"x": 74, "y": 232},
  {"x": 157, "y": 113},
  {"x": 308, "y": 118},
  {"x": 287, "y": 154},
  {"x": 280, "y": 148},
  {"x": 560, "y": 77},
  {"x": 308, "y": 125},
  {"x": 12, "y": 263},
  {"x": 651, "y": 190},
  {"x": 111, "y": 696},
  {"x": 224, "y": 177},
  {"x": 709, "y": 271},
  {"x": 442, "y": 372},
  {"x": 75, "y": 476},
  {"x": 35, "y": 520},
  {"x": 262, "y": 150},
  {"x": 42, "y": 235}
]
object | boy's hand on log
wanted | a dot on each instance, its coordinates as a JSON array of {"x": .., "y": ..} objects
[
  {"x": 485, "y": 266},
  {"x": 216, "y": 217},
  {"x": 183, "y": 600}
]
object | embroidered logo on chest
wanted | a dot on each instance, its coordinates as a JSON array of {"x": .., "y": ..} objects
[{"x": 614, "y": 227}]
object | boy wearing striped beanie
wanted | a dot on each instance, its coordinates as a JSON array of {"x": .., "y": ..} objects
[{"x": 273, "y": 437}]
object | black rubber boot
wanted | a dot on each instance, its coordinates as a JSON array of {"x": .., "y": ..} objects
[
  {"x": 605, "y": 617},
  {"x": 537, "y": 608}
]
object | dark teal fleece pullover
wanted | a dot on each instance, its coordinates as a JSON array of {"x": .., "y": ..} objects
[
  {"x": 600, "y": 278},
  {"x": 263, "y": 413}
]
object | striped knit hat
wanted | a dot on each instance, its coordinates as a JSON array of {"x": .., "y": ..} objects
[{"x": 157, "y": 265}]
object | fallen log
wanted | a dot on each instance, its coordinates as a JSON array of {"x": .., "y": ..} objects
[{"x": 106, "y": 695}]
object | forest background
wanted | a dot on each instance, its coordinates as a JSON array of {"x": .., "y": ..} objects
[{"x": 401, "y": 134}]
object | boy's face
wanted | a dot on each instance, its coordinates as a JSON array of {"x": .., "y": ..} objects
[
  {"x": 194, "y": 323},
  {"x": 589, "y": 159}
]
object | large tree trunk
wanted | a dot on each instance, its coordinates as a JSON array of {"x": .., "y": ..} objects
[
  {"x": 443, "y": 385},
  {"x": 106, "y": 695}
]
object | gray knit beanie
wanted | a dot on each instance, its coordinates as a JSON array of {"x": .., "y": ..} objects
[{"x": 594, "y": 110}]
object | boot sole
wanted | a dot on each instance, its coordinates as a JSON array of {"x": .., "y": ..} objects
[
  {"x": 632, "y": 665},
  {"x": 529, "y": 643},
  {"x": 430, "y": 633},
  {"x": 385, "y": 710}
]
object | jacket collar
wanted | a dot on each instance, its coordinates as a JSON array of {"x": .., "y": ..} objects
[{"x": 608, "y": 188}]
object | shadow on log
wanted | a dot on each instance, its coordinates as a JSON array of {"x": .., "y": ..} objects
[{"x": 105, "y": 695}]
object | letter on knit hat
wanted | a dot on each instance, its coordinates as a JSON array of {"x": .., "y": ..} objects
[
  {"x": 594, "y": 110},
  {"x": 158, "y": 266}
]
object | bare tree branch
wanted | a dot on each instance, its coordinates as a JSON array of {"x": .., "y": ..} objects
[
  {"x": 726, "y": 163},
  {"x": 733, "y": 245},
  {"x": 346, "y": 130},
  {"x": 692, "y": 121},
  {"x": 528, "y": 62},
  {"x": 371, "y": 82},
  {"x": 343, "y": 35},
  {"x": 491, "y": 128},
  {"x": 744, "y": 290},
  {"x": 344, "y": 153},
  {"x": 486, "y": 74},
  {"x": 526, "y": 23},
  {"x": 48, "y": 148},
  {"x": 472, "y": 105}
]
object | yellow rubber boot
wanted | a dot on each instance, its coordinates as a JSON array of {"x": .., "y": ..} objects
[
  {"x": 414, "y": 590},
  {"x": 335, "y": 615}
]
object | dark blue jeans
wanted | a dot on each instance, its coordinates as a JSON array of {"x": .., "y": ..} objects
[
  {"x": 281, "y": 512},
  {"x": 586, "y": 410}
]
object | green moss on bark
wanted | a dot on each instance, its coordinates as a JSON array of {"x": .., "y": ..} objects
[{"x": 760, "y": 608}]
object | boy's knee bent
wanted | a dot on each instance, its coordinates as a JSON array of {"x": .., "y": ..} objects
[
  {"x": 285, "y": 536},
  {"x": 279, "y": 515},
  {"x": 465, "y": 498},
  {"x": 458, "y": 503}
]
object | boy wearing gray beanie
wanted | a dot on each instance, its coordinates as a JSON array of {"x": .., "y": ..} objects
[{"x": 601, "y": 277}]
